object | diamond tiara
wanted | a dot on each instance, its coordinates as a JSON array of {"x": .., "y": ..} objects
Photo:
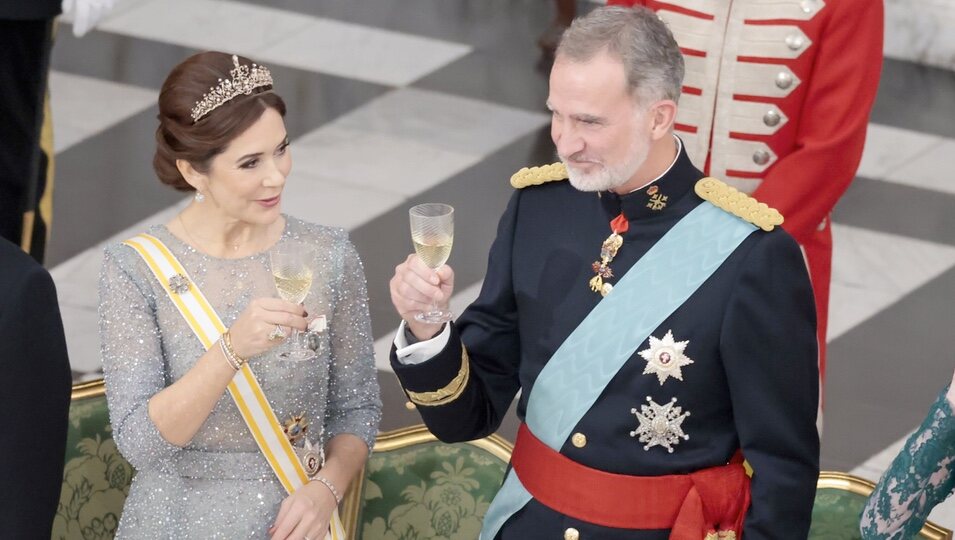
[{"x": 243, "y": 81}]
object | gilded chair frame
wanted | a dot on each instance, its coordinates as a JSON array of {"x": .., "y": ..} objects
[
  {"x": 502, "y": 449},
  {"x": 88, "y": 389},
  {"x": 402, "y": 438},
  {"x": 861, "y": 486}
]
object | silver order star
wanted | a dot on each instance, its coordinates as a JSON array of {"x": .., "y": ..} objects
[
  {"x": 179, "y": 284},
  {"x": 665, "y": 357},
  {"x": 660, "y": 425}
]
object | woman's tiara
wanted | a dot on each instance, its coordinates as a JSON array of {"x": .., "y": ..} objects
[{"x": 244, "y": 80}]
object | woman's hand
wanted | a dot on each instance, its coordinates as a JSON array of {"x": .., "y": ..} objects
[
  {"x": 305, "y": 514},
  {"x": 250, "y": 333}
]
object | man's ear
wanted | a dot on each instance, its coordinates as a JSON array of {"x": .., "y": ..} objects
[{"x": 662, "y": 118}]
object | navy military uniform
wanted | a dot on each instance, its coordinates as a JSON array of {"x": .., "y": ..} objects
[
  {"x": 749, "y": 332},
  {"x": 26, "y": 149}
]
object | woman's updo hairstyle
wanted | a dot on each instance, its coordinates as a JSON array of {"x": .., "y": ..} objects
[{"x": 179, "y": 137}]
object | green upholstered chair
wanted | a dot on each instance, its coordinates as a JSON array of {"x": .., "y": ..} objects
[
  {"x": 415, "y": 486},
  {"x": 840, "y": 499},
  {"x": 96, "y": 477}
]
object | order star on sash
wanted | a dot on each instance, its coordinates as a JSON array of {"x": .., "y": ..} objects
[
  {"x": 665, "y": 357},
  {"x": 660, "y": 425}
]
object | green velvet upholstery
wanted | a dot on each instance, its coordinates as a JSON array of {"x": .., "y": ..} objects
[
  {"x": 412, "y": 487},
  {"x": 417, "y": 487},
  {"x": 836, "y": 514},
  {"x": 96, "y": 477},
  {"x": 840, "y": 499}
]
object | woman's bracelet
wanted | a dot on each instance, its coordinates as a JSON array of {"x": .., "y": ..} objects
[
  {"x": 225, "y": 343},
  {"x": 330, "y": 486}
]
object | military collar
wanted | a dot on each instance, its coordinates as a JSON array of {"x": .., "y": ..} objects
[{"x": 657, "y": 197}]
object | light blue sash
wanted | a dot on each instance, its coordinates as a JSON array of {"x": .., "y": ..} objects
[{"x": 656, "y": 286}]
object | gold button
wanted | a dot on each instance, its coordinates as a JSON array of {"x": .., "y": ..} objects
[
  {"x": 579, "y": 440},
  {"x": 771, "y": 118},
  {"x": 760, "y": 157},
  {"x": 784, "y": 80},
  {"x": 409, "y": 405},
  {"x": 795, "y": 42},
  {"x": 571, "y": 534}
]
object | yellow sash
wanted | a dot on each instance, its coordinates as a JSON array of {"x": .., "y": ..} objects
[{"x": 244, "y": 388}]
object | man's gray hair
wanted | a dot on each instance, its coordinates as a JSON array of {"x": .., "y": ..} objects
[{"x": 651, "y": 57}]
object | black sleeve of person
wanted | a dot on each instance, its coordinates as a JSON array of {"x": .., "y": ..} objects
[
  {"x": 769, "y": 349},
  {"x": 34, "y": 400},
  {"x": 483, "y": 354}
]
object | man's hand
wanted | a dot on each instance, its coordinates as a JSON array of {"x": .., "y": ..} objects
[
  {"x": 415, "y": 287},
  {"x": 87, "y": 13}
]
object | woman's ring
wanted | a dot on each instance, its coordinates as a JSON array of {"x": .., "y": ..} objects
[{"x": 277, "y": 333}]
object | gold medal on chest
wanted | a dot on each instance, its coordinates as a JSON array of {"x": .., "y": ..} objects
[
  {"x": 296, "y": 428},
  {"x": 608, "y": 250}
]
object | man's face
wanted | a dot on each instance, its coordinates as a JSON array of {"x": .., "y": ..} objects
[{"x": 602, "y": 135}]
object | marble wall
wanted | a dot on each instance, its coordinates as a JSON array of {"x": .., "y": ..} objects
[{"x": 921, "y": 31}]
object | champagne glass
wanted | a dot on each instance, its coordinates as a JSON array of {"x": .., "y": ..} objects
[
  {"x": 432, "y": 232},
  {"x": 291, "y": 264}
]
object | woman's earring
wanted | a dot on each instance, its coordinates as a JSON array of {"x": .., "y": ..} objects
[{"x": 200, "y": 197}]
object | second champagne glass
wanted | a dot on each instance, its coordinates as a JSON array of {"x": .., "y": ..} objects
[
  {"x": 432, "y": 232},
  {"x": 291, "y": 264}
]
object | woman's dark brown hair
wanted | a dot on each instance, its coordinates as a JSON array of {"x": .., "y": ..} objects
[{"x": 178, "y": 137}]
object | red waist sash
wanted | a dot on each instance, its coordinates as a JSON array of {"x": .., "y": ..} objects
[{"x": 695, "y": 506}]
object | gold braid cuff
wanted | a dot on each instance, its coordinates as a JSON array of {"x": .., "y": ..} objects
[
  {"x": 450, "y": 392},
  {"x": 739, "y": 204}
]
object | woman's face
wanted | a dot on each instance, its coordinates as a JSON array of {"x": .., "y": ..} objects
[{"x": 245, "y": 182}]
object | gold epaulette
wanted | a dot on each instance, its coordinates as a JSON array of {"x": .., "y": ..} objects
[
  {"x": 535, "y": 176},
  {"x": 739, "y": 204}
]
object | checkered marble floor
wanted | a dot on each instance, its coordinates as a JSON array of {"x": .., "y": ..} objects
[{"x": 404, "y": 101}]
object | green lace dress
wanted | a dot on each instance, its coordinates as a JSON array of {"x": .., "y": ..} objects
[{"x": 920, "y": 477}]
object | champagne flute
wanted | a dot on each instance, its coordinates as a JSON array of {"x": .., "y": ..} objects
[
  {"x": 291, "y": 265},
  {"x": 432, "y": 232}
]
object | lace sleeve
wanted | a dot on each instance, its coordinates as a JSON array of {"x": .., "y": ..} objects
[
  {"x": 920, "y": 477},
  {"x": 133, "y": 363},
  {"x": 354, "y": 405}
]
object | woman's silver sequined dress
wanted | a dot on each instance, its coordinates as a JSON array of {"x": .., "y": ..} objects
[{"x": 219, "y": 485}]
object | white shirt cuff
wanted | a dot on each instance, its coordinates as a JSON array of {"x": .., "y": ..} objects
[{"x": 421, "y": 351}]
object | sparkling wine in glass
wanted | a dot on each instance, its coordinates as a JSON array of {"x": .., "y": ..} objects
[
  {"x": 432, "y": 232},
  {"x": 291, "y": 264}
]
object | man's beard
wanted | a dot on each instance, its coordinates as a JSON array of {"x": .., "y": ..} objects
[{"x": 608, "y": 177}]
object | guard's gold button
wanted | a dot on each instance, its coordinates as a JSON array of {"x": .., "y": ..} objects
[
  {"x": 771, "y": 118},
  {"x": 409, "y": 405},
  {"x": 579, "y": 440},
  {"x": 795, "y": 42},
  {"x": 571, "y": 534},
  {"x": 784, "y": 80},
  {"x": 760, "y": 157}
]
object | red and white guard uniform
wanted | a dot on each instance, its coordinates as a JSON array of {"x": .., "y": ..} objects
[{"x": 776, "y": 101}]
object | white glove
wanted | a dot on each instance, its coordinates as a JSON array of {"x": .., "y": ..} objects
[
  {"x": 951, "y": 393},
  {"x": 87, "y": 13}
]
